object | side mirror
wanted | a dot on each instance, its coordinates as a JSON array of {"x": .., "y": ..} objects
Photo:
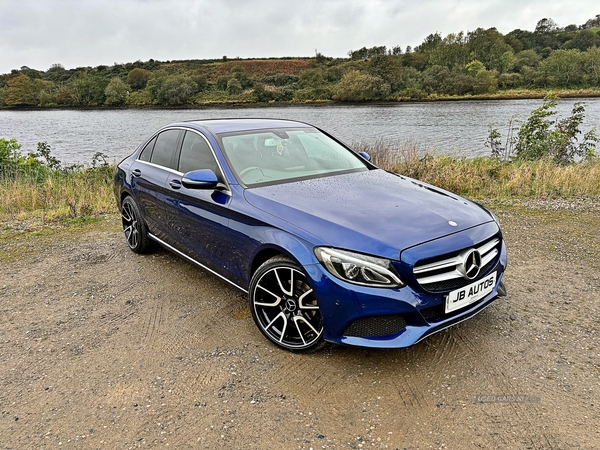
[
  {"x": 200, "y": 179},
  {"x": 365, "y": 155}
]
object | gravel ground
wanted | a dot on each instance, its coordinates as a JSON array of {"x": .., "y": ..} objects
[{"x": 102, "y": 348}]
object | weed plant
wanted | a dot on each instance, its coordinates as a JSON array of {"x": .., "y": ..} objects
[{"x": 38, "y": 189}]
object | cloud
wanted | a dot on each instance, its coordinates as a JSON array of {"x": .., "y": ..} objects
[{"x": 92, "y": 32}]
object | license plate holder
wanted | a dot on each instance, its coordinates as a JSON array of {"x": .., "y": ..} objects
[{"x": 471, "y": 293}]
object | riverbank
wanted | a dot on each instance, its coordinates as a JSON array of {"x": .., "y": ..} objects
[{"x": 249, "y": 102}]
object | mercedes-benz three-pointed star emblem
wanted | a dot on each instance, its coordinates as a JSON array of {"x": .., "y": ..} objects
[{"x": 470, "y": 264}]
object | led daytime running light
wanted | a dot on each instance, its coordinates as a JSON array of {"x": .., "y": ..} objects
[{"x": 359, "y": 269}]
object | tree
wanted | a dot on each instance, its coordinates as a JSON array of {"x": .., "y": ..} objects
[
  {"x": 154, "y": 86},
  {"x": 116, "y": 92},
  {"x": 358, "y": 86},
  {"x": 57, "y": 67},
  {"x": 234, "y": 86},
  {"x": 20, "y": 91},
  {"x": 519, "y": 40},
  {"x": 562, "y": 68},
  {"x": 452, "y": 52},
  {"x": 430, "y": 43},
  {"x": 239, "y": 73},
  {"x": 411, "y": 84},
  {"x": 311, "y": 78},
  {"x": 57, "y": 74},
  {"x": 177, "y": 90},
  {"x": 527, "y": 58},
  {"x": 474, "y": 67},
  {"x": 388, "y": 68},
  {"x": 416, "y": 60},
  {"x": 487, "y": 46},
  {"x": 506, "y": 62},
  {"x": 546, "y": 26},
  {"x": 592, "y": 23},
  {"x": 262, "y": 95},
  {"x": 88, "y": 90},
  {"x": 590, "y": 62},
  {"x": 138, "y": 78},
  {"x": 365, "y": 53},
  {"x": 46, "y": 92},
  {"x": 486, "y": 82},
  {"x": 441, "y": 80},
  {"x": 583, "y": 40}
]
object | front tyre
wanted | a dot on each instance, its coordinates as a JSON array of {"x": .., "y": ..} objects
[
  {"x": 134, "y": 227},
  {"x": 284, "y": 306}
]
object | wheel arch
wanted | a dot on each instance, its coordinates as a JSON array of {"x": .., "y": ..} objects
[
  {"x": 286, "y": 245},
  {"x": 121, "y": 196}
]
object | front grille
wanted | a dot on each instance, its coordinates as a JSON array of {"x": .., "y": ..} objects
[
  {"x": 442, "y": 274},
  {"x": 376, "y": 326}
]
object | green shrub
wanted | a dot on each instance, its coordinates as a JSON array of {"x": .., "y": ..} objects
[
  {"x": 356, "y": 86},
  {"x": 541, "y": 136}
]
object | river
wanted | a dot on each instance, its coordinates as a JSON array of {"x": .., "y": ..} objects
[{"x": 451, "y": 127}]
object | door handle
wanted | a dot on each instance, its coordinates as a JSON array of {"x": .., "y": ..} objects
[
  {"x": 175, "y": 184},
  {"x": 136, "y": 173}
]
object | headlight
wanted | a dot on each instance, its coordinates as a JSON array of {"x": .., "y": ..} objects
[{"x": 357, "y": 268}]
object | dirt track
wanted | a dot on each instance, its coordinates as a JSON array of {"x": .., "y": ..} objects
[{"x": 102, "y": 348}]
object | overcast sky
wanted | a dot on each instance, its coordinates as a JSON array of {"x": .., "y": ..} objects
[{"x": 75, "y": 33}]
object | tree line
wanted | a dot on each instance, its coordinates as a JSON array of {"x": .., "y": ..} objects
[{"x": 479, "y": 62}]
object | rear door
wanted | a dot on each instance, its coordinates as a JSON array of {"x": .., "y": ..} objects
[{"x": 150, "y": 172}]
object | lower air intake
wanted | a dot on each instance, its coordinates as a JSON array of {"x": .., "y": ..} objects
[{"x": 376, "y": 326}]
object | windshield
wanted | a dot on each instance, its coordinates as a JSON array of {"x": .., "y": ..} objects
[{"x": 278, "y": 155}]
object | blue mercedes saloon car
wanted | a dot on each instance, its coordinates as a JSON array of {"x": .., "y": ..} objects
[{"x": 328, "y": 246}]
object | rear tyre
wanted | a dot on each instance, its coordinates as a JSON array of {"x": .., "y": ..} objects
[
  {"x": 134, "y": 227},
  {"x": 284, "y": 306}
]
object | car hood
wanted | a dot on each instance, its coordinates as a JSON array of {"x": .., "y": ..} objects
[{"x": 373, "y": 211}]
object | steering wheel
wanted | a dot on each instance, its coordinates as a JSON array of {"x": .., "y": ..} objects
[{"x": 249, "y": 169}]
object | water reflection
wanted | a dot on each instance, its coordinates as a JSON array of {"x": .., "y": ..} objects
[{"x": 447, "y": 127}]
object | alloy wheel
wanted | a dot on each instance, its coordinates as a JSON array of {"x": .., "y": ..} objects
[{"x": 285, "y": 308}]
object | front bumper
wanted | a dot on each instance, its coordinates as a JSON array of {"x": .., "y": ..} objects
[{"x": 389, "y": 318}]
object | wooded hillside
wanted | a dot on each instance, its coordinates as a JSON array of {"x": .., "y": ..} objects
[{"x": 476, "y": 63}]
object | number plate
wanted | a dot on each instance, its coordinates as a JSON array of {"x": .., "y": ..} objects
[{"x": 471, "y": 293}]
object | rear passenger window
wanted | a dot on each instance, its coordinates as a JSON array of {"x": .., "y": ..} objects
[
  {"x": 147, "y": 152},
  {"x": 164, "y": 149},
  {"x": 196, "y": 154}
]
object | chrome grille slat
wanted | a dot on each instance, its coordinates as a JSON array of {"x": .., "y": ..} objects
[
  {"x": 489, "y": 257},
  {"x": 488, "y": 246},
  {"x": 445, "y": 275},
  {"x": 441, "y": 277},
  {"x": 452, "y": 262}
]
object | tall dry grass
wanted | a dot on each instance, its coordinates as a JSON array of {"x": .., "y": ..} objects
[
  {"x": 486, "y": 177},
  {"x": 54, "y": 195}
]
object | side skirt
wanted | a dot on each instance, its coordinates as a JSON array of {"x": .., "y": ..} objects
[{"x": 183, "y": 255}]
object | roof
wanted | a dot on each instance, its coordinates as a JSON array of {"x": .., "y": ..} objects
[{"x": 217, "y": 126}]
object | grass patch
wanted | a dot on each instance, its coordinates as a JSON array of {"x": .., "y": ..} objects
[{"x": 38, "y": 197}]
